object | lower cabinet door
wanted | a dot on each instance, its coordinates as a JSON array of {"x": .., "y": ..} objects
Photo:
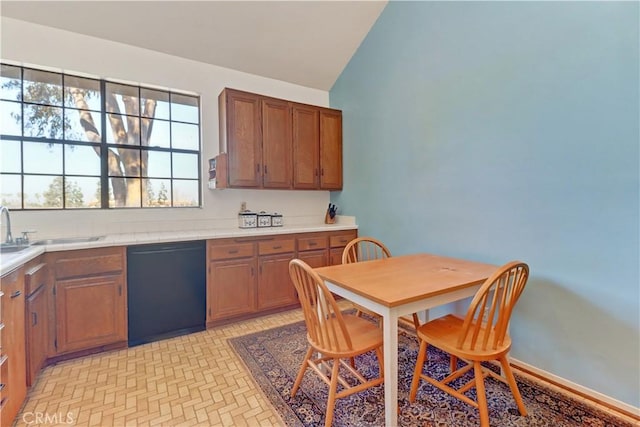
[
  {"x": 275, "y": 288},
  {"x": 315, "y": 259},
  {"x": 231, "y": 288},
  {"x": 90, "y": 312},
  {"x": 37, "y": 328}
]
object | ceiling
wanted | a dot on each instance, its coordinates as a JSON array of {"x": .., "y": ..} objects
[{"x": 303, "y": 42}]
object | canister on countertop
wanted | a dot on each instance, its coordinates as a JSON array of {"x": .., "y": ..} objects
[
  {"x": 247, "y": 219},
  {"x": 264, "y": 219},
  {"x": 276, "y": 220}
]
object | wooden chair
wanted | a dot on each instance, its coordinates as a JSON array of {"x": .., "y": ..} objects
[
  {"x": 367, "y": 249},
  {"x": 333, "y": 337},
  {"x": 480, "y": 336}
]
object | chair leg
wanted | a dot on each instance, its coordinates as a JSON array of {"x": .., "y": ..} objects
[
  {"x": 506, "y": 368},
  {"x": 416, "y": 321},
  {"x": 482, "y": 397},
  {"x": 453, "y": 363},
  {"x": 303, "y": 368},
  {"x": 333, "y": 388},
  {"x": 418, "y": 371}
]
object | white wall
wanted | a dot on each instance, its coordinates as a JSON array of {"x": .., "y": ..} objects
[{"x": 40, "y": 46}]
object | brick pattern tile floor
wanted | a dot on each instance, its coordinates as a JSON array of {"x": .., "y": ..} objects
[{"x": 192, "y": 380}]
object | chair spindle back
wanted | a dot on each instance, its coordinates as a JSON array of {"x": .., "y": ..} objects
[
  {"x": 325, "y": 324},
  {"x": 364, "y": 249},
  {"x": 487, "y": 320}
]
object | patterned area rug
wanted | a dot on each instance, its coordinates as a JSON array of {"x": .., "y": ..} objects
[{"x": 274, "y": 356}]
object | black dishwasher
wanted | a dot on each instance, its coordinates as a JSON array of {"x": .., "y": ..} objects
[{"x": 166, "y": 289}]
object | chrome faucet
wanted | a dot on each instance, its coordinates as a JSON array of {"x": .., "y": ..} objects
[{"x": 5, "y": 210}]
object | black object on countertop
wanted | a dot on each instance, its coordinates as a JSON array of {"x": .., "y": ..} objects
[{"x": 166, "y": 289}]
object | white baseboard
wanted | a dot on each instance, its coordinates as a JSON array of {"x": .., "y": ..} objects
[{"x": 587, "y": 393}]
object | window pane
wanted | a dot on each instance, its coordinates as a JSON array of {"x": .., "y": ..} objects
[
  {"x": 82, "y": 93},
  {"x": 129, "y": 200},
  {"x": 11, "y": 157},
  {"x": 74, "y": 131},
  {"x": 42, "y": 192},
  {"x": 42, "y": 87},
  {"x": 161, "y": 103},
  {"x": 185, "y": 136},
  {"x": 82, "y": 192},
  {"x": 81, "y": 160},
  {"x": 184, "y": 108},
  {"x": 43, "y": 121},
  {"x": 10, "y": 191},
  {"x": 159, "y": 134},
  {"x": 185, "y": 165},
  {"x": 185, "y": 193},
  {"x": 158, "y": 164},
  {"x": 55, "y": 162},
  {"x": 125, "y": 97},
  {"x": 10, "y": 86},
  {"x": 157, "y": 193},
  {"x": 42, "y": 157},
  {"x": 10, "y": 118},
  {"x": 126, "y": 128}
]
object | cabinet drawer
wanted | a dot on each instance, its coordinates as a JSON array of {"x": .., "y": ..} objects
[
  {"x": 276, "y": 246},
  {"x": 230, "y": 251},
  {"x": 89, "y": 262},
  {"x": 34, "y": 278},
  {"x": 312, "y": 243},
  {"x": 341, "y": 240}
]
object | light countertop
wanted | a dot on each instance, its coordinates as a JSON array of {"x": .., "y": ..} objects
[{"x": 10, "y": 261}]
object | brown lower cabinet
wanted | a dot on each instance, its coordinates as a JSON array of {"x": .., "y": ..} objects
[
  {"x": 36, "y": 318},
  {"x": 249, "y": 276},
  {"x": 275, "y": 288},
  {"x": 13, "y": 369},
  {"x": 89, "y": 299}
]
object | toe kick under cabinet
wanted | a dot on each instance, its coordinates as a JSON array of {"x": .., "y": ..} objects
[{"x": 249, "y": 276}]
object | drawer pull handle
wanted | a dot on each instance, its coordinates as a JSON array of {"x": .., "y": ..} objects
[
  {"x": 233, "y": 251},
  {"x": 16, "y": 294},
  {"x": 313, "y": 243},
  {"x": 34, "y": 318},
  {"x": 1, "y": 386},
  {"x": 277, "y": 247}
]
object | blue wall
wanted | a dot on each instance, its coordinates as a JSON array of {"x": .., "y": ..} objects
[{"x": 506, "y": 130}]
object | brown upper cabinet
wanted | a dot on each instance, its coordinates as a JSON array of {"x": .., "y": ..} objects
[
  {"x": 241, "y": 137},
  {"x": 330, "y": 149},
  {"x": 273, "y": 143}
]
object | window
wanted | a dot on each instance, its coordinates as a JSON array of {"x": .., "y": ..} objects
[{"x": 69, "y": 142}]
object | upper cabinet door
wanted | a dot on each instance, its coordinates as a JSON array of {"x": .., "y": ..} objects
[
  {"x": 306, "y": 147},
  {"x": 330, "y": 149},
  {"x": 243, "y": 139},
  {"x": 276, "y": 143}
]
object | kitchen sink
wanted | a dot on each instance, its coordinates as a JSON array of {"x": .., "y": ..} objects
[
  {"x": 8, "y": 248},
  {"x": 67, "y": 240}
]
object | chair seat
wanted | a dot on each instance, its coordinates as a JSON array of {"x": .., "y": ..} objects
[
  {"x": 444, "y": 333},
  {"x": 364, "y": 335}
]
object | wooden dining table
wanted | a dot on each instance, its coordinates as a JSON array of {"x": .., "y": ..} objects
[{"x": 401, "y": 285}]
